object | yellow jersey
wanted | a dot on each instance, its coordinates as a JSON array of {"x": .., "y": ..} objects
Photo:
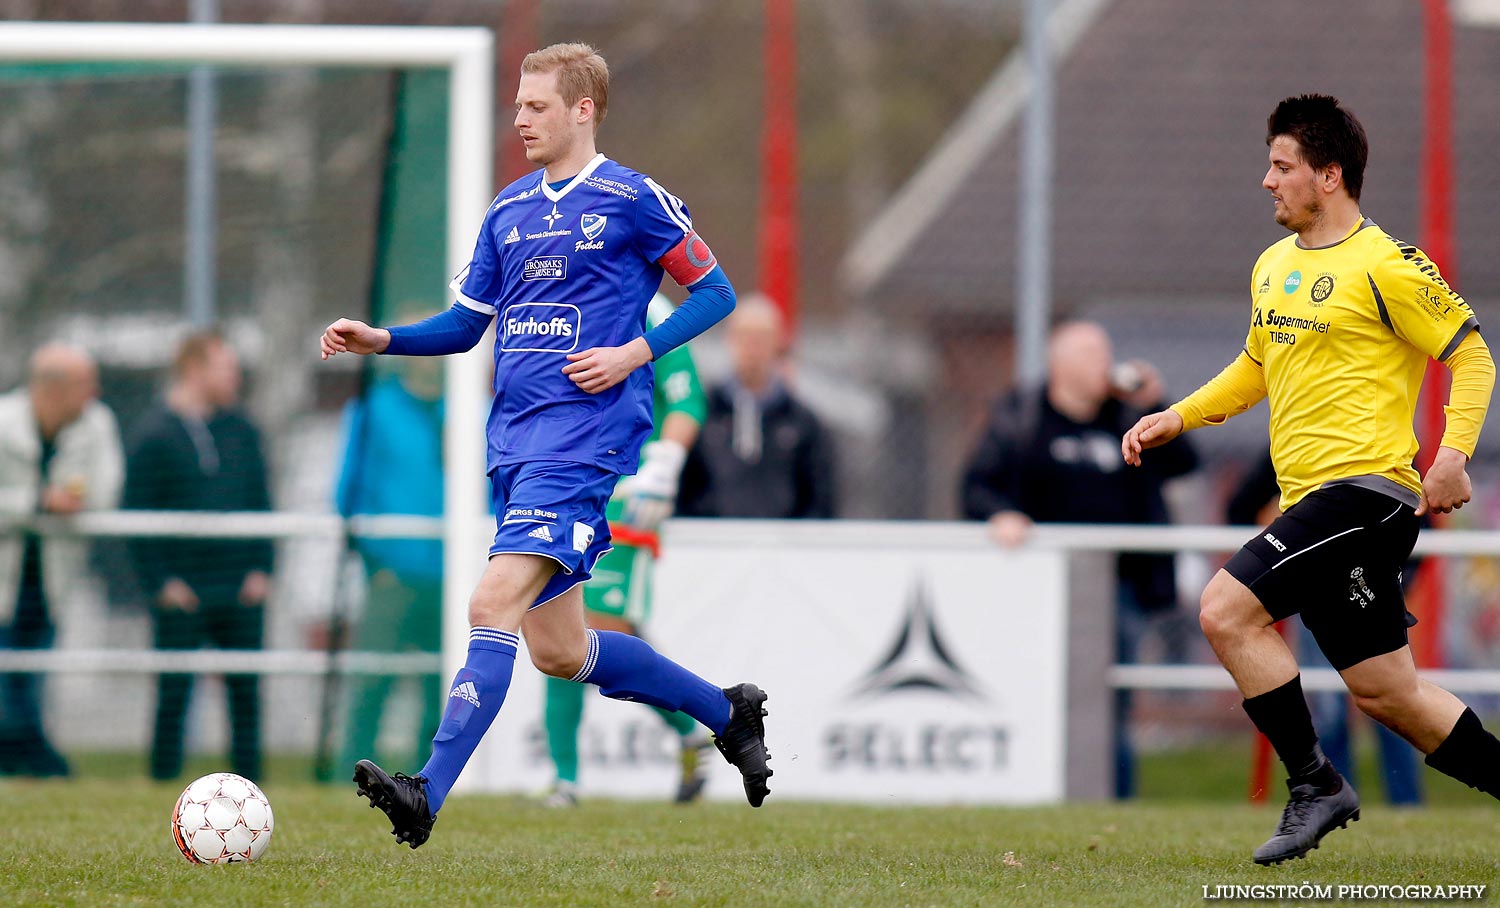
[{"x": 1342, "y": 335}]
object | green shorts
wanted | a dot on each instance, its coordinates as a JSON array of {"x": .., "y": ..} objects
[{"x": 621, "y": 585}]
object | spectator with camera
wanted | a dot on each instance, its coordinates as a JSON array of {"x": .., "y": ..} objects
[{"x": 1051, "y": 455}]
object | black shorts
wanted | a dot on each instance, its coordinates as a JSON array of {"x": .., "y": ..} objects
[{"x": 1336, "y": 557}]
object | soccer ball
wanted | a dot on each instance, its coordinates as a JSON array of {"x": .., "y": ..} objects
[{"x": 222, "y": 818}]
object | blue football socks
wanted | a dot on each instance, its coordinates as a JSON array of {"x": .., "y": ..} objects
[
  {"x": 627, "y": 668},
  {"x": 477, "y": 694}
]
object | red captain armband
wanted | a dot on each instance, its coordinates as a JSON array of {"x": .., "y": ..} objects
[{"x": 689, "y": 260}]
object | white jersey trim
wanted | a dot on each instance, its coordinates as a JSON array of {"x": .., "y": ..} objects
[
  {"x": 555, "y": 195},
  {"x": 476, "y": 305},
  {"x": 672, "y": 205}
]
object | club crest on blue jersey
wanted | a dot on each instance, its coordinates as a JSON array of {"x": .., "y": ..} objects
[
  {"x": 593, "y": 224},
  {"x": 541, "y": 328}
]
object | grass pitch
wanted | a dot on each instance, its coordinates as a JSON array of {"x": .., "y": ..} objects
[{"x": 105, "y": 842}]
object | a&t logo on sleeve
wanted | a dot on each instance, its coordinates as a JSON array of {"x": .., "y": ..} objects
[{"x": 541, "y": 328}]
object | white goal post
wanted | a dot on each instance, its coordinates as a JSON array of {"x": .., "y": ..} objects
[{"x": 468, "y": 56}]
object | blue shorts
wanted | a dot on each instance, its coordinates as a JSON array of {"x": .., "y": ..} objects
[{"x": 554, "y": 509}]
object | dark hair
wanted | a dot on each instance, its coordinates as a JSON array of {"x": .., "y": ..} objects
[{"x": 1327, "y": 133}]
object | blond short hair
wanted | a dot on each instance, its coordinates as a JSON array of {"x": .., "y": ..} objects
[{"x": 581, "y": 73}]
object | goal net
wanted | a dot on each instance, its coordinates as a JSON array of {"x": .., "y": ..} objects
[{"x": 264, "y": 180}]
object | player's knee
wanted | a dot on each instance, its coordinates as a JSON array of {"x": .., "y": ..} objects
[
  {"x": 555, "y": 661},
  {"x": 1390, "y": 707},
  {"x": 557, "y": 656},
  {"x": 481, "y": 614},
  {"x": 1222, "y": 613},
  {"x": 1377, "y": 707},
  {"x": 1214, "y": 616},
  {"x": 489, "y": 610}
]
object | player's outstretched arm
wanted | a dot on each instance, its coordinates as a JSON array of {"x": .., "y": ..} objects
[
  {"x": 1150, "y": 431},
  {"x": 453, "y": 330},
  {"x": 350, "y": 336},
  {"x": 1237, "y": 388}
]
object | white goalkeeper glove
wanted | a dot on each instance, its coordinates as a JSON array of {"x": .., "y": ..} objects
[{"x": 647, "y": 496}]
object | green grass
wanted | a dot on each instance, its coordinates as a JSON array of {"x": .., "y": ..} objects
[
  {"x": 105, "y": 842},
  {"x": 1221, "y": 772}
]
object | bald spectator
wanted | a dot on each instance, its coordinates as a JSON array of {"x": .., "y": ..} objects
[
  {"x": 59, "y": 454},
  {"x": 761, "y": 453},
  {"x": 1051, "y": 455}
]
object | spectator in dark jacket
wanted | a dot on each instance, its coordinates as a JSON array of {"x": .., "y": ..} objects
[
  {"x": 1052, "y": 455},
  {"x": 761, "y": 453},
  {"x": 195, "y": 451}
]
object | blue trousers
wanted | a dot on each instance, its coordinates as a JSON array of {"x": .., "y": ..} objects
[{"x": 24, "y": 748}]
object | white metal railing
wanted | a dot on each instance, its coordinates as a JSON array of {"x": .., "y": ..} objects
[
  {"x": 1213, "y": 677},
  {"x": 728, "y": 533},
  {"x": 1081, "y": 537},
  {"x": 221, "y": 525},
  {"x": 225, "y": 525},
  {"x": 217, "y": 661}
]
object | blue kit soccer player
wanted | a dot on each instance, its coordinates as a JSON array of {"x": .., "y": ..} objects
[{"x": 568, "y": 259}]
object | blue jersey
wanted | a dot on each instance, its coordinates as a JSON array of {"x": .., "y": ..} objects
[{"x": 565, "y": 270}]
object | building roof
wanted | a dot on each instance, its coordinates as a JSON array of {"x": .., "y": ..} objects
[{"x": 1160, "y": 129}]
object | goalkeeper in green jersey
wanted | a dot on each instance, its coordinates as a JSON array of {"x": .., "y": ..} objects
[{"x": 618, "y": 597}]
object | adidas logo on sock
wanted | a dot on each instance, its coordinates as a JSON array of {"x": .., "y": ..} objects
[
  {"x": 466, "y": 691},
  {"x": 513, "y": 237},
  {"x": 541, "y": 533}
]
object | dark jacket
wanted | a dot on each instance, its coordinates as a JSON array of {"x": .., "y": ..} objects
[
  {"x": 1257, "y": 489},
  {"x": 1037, "y": 461},
  {"x": 780, "y": 466},
  {"x": 218, "y": 467}
]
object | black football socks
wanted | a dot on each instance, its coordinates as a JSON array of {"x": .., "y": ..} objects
[
  {"x": 1469, "y": 754},
  {"x": 1282, "y": 716}
]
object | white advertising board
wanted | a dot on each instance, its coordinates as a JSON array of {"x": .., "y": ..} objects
[{"x": 897, "y": 672}]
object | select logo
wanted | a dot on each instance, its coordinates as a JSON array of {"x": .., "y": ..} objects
[{"x": 917, "y": 658}]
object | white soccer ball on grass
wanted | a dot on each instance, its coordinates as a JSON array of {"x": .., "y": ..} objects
[{"x": 222, "y": 818}]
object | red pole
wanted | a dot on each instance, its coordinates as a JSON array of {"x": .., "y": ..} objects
[
  {"x": 778, "y": 240},
  {"x": 518, "y": 38},
  {"x": 1436, "y": 232}
]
